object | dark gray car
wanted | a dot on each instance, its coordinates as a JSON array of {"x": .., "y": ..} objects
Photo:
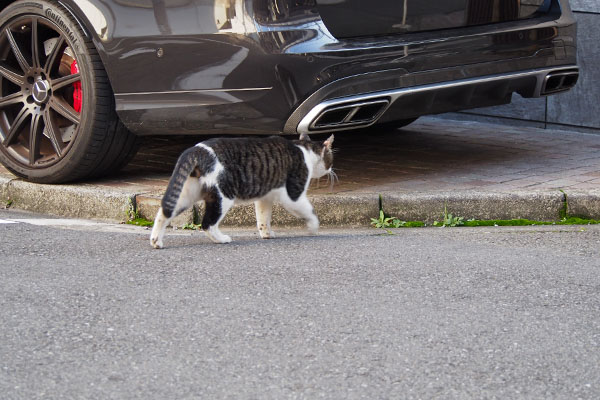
[{"x": 82, "y": 80}]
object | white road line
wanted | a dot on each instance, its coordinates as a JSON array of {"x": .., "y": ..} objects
[
  {"x": 77, "y": 224},
  {"x": 58, "y": 222},
  {"x": 87, "y": 225}
]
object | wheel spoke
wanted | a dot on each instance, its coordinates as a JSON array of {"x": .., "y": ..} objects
[
  {"x": 11, "y": 99},
  {"x": 63, "y": 81},
  {"x": 53, "y": 133},
  {"x": 35, "y": 51},
  {"x": 15, "y": 128},
  {"x": 53, "y": 53},
  {"x": 64, "y": 109},
  {"x": 17, "y": 50},
  {"x": 11, "y": 75},
  {"x": 35, "y": 135}
]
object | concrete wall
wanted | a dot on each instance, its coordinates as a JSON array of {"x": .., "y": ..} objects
[{"x": 578, "y": 109}]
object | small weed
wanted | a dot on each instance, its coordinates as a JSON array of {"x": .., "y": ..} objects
[
  {"x": 192, "y": 227},
  {"x": 449, "y": 220},
  {"x": 132, "y": 213},
  {"x": 8, "y": 203},
  {"x": 386, "y": 222},
  {"x": 133, "y": 216},
  {"x": 563, "y": 213}
]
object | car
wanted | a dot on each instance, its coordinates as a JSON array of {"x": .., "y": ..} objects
[{"x": 83, "y": 80}]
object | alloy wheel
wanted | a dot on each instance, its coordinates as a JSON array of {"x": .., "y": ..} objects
[{"x": 40, "y": 88}]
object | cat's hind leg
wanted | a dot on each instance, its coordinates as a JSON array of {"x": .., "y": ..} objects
[
  {"x": 190, "y": 194},
  {"x": 302, "y": 208},
  {"x": 158, "y": 229},
  {"x": 216, "y": 206},
  {"x": 263, "y": 209}
]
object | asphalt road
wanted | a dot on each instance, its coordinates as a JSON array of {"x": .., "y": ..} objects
[{"x": 92, "y": 311}]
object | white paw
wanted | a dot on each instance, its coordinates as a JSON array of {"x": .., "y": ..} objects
[
  {"x": 224, "y": 239},
  {"x": 313, "y": 226},
  {"x": 216, "y": 236},
  {"x": 157, "y": 244},
  {"x": 267, "y": 235}
]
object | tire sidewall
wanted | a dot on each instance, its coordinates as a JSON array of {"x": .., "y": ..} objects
[{"x": 74, "y": 37}]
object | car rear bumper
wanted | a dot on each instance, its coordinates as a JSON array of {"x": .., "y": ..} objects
[
  {"x": 362, "y": 110},
  {"x": 416, "y": 74}
]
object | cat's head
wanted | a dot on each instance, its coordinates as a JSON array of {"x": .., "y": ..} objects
[{"x": 324, "y": 154}]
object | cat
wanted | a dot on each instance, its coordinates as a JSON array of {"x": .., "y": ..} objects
[{"x": 227, "y": 171}]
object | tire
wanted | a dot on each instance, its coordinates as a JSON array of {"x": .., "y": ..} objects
[
  {"x": 122, "y": 149},
  {"x": 57, "y": 114}
]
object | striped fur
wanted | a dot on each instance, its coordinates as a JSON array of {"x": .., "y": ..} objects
[
  {"x": 226, "y": 171},
  {"x": 195, "y": 161}
]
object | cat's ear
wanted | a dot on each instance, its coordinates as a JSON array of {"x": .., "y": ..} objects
[
  {"x": 304, "y": 136},
  {"x": 328, "y": 143}
]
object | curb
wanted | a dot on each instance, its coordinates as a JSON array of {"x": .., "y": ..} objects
[
  {"x": 584, "y": 204},
  {"x": 334, "y": 210},
  {"x": 541, "y": 206},
  {"x": 74, "y": 201}
]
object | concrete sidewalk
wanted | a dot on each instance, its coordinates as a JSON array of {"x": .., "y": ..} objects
[{"x": 477, "y": 170}]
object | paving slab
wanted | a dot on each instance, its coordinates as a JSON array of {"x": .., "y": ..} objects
[{"x": 475, "y": 170}]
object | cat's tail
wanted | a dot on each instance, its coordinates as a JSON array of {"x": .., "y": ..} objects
[{"x": 193, "y": 162}]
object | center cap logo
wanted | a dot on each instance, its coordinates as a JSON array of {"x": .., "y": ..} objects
[{"x": 40, "y": 91}]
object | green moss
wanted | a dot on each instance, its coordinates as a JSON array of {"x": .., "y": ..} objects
[
  {"x": 529, "y": 222},
  {"x": 511, "y": 222},
  {"x": 140, "y": 222},
  {"x": 413, "y": 224},
  {"x": 505, "y": 222},
  {"x": 578, "y": 221}
]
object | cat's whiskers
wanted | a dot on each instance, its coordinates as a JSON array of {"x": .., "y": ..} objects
[{"x": 332, "y": 179}]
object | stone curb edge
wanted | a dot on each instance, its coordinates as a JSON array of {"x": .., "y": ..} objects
[
  {"x": 348, "y": 210},
  {"x": 76, "y": 201}
]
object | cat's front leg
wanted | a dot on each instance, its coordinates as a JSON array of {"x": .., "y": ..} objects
[
  {"x": 303, "y": 209},
  {"x": 263, "y": 209}
]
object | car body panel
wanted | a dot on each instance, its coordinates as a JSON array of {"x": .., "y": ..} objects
[{"x": 258, "y": 66}]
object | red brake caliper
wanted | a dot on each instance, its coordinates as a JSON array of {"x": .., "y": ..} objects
[{"x": 76, "y": 88}]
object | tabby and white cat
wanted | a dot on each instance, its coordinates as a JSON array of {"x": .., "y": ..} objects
[{"x": 228, "y": 171}]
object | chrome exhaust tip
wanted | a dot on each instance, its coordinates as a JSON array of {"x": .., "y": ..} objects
[
  {"x": 559, "y": 81},
  {"x": 349, "y": 115}
]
